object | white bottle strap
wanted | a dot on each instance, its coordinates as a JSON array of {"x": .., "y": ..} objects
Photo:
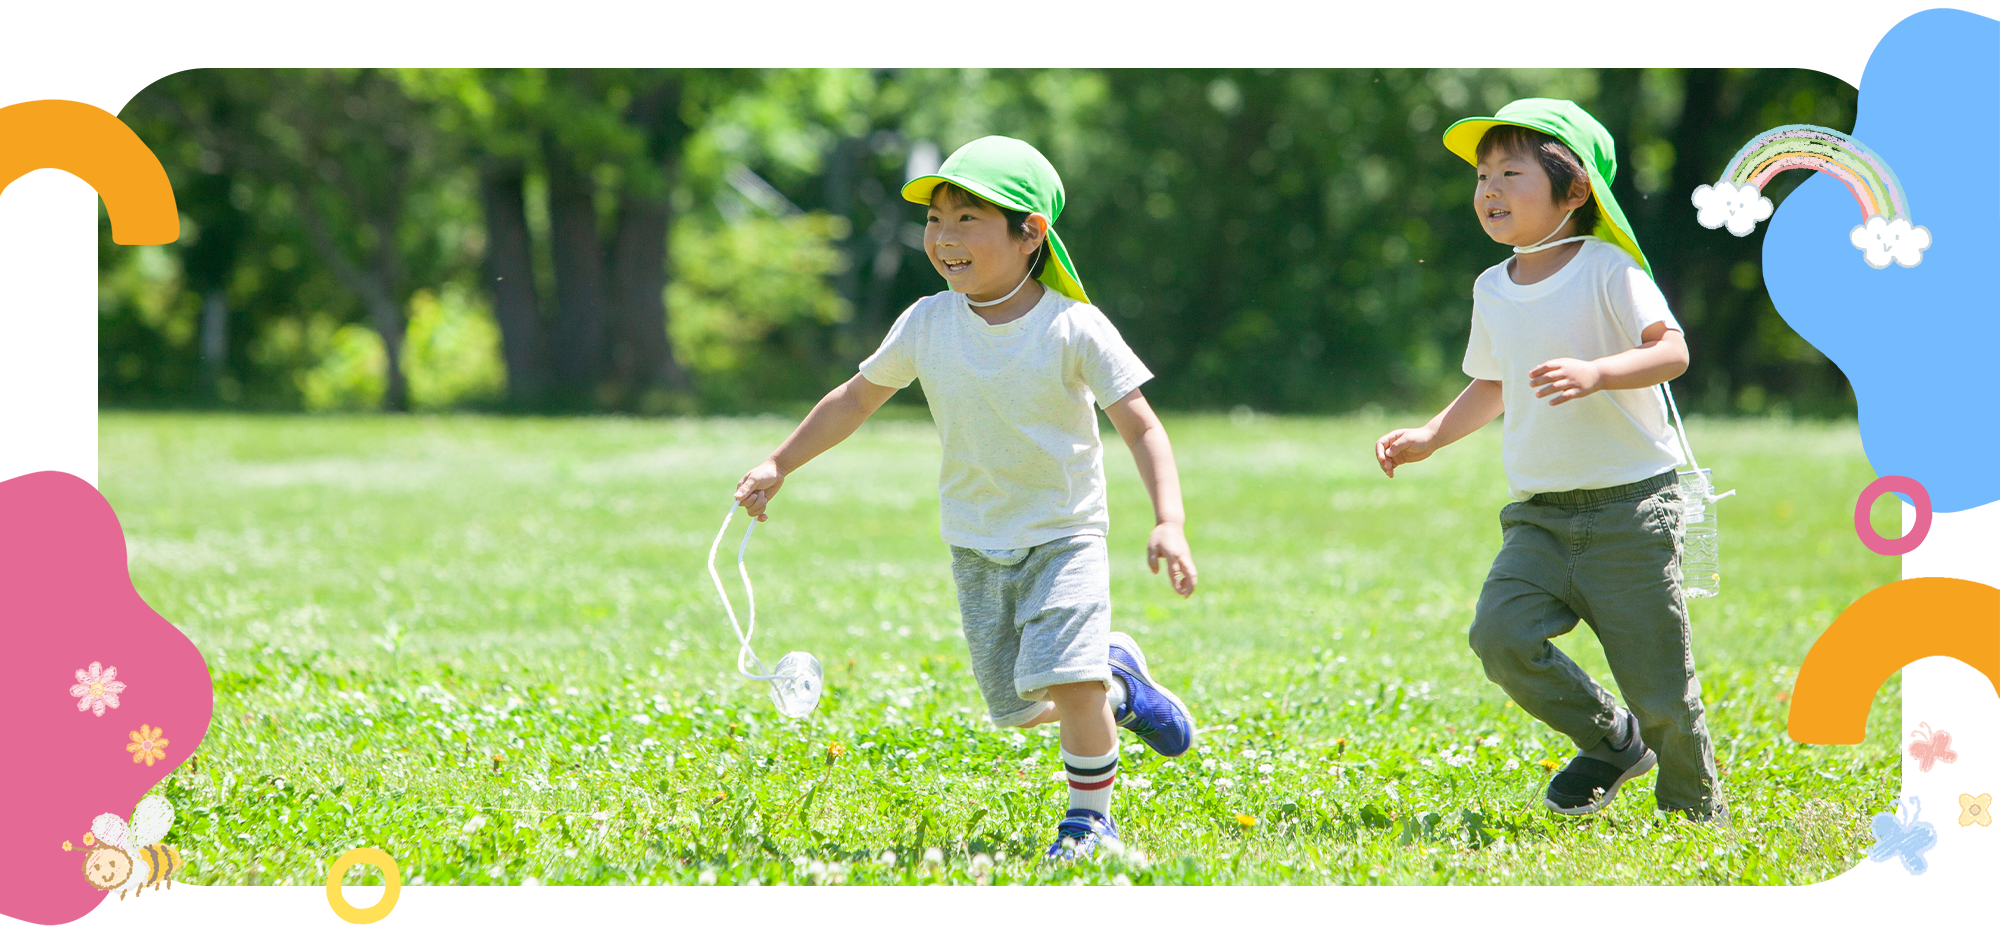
[{"x": 1687, "y": 447}]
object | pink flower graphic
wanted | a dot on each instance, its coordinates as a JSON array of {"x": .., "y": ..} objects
[{"x": 97, "y": 688}]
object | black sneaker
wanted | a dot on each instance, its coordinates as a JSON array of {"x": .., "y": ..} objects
[{"x": 1586, "y": 784}]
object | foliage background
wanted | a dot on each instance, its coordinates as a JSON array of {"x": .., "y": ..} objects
[{"x": 732, "y": 240}]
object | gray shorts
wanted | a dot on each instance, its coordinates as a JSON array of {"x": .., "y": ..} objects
[{"x": 1040, "y": 623}]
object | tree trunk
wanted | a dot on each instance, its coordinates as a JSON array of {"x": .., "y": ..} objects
[
  {"x": 643, "y": 361},
  {"x": 578, "y": 343},
  {"x": 510, "y": 283}
]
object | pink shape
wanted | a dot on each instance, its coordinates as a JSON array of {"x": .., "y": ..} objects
[
  {"x": 1918, "y": 497},
  {"x": 66, "y": 598},
  {"x": 1933, "y": 747}
]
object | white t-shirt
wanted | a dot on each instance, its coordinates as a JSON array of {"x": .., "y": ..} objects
[
  {"x": 1022, "y": 462},
  {"x": 1597, "y": 305}
]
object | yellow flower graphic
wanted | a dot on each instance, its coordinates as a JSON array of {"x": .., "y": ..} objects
[
  {"x": 1975, "y": 809},
  {"x": 146, "y": 746}
]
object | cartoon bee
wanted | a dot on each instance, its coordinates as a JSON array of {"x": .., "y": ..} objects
[{"x": 126, "y": 858}]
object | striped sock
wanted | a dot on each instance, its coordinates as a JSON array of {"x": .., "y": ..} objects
[{"x": 1090, "y": 778}]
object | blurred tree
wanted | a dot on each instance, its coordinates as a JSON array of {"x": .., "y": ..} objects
[{"x": 1290, "y": 240}]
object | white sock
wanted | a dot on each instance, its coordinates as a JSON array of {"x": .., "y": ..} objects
[
  {"x": 1115, "y": 692},
  {"x": 1090, "y": 779}
]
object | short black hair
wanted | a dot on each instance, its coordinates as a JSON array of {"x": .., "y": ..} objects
[
  {"x": 1017, "y": 221},
  {"x": 1563, "y": 167}
]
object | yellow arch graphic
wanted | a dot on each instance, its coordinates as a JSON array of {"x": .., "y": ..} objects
[
  {"x": 93, "y": 145},
  {"x": 1889, "y": 628}
]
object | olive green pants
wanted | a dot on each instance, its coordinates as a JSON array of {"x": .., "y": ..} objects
[{"x": 1611, "y": 558}]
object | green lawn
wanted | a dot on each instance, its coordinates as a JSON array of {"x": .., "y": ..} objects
[{"x": 490, "y": 647}]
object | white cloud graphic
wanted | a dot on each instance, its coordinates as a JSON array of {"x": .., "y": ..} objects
[
  {"x": 1726, "y": 203},
  {"x": 1882, "y": 240}
]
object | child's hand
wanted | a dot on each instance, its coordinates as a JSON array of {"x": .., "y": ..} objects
[
  {"x": 1169, "y": 543},
  {"x": 1566, "y": 379},
  {"x": 1402, "y": 447},
  {"x": 758, "y": 487}
]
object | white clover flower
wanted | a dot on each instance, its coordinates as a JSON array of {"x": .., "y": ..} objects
[
  {"x": 1136, "y": 857},
  {"x": 1111, "y": 846},
  {"x": 1738, "y": 207},
  {"x": 1139, "y": 783},
  {"x": 1881, "y": 241},
  {"x": 707, "y": 877},
  {"x": 1122, "y": 881},
  {"x": 1512, "y": 764},
  {"x": 887, "y": 860},
  {"x": 477, "y": 822},
  {"x": 1223, "y": 784}
]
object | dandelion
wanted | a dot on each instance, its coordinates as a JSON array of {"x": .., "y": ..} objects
[
  {"x": 146, "y": 746},
  {"x": 1136, "y": 857},
  {"x": 982, "y": 867},
  {"x": 1549, "y": 764},
  {"x": 1111, "y": 846},
  {"x": 933, "y": 858},
  {"x": 887, "y": 860},
  {"x": 1246, "y": 821},
  {"x": 834, "y": 750}
]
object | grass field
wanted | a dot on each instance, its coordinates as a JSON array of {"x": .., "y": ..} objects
[{"x": 490, "y": 647}]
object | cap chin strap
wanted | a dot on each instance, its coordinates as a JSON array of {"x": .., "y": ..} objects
[
  {"x": 1017, "y": 287},
  {"x": 1545, "y": 242}
]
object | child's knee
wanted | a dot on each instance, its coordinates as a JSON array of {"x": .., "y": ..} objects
[{"x": 1495, "y": 644}]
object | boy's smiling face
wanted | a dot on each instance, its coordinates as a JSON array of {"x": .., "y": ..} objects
[
  {"x": 1513, "y": 201},
  {"x": 973, "y": 249}
]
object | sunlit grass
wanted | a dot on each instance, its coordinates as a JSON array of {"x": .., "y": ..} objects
[{"x": 490, "y": 647}]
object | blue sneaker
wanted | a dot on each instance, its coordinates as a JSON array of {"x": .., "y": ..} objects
[
  {"x": 1150, "y": 710},
  {"x": 1078, "y": 834}
]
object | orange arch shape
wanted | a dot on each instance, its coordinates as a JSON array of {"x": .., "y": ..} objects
[
  {"x": 93, "y": 145},
  {"x": 1889, "y": 628}
]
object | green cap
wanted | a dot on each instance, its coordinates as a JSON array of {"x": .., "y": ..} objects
[
  {"x": 1584, "y": 135},
  {"x": 1011, "y": 174}
]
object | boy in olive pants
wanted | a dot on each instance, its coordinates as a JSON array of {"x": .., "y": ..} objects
[{"x": 1571, "y": 340}]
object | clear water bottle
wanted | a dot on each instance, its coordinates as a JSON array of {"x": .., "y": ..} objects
[
  {"x": 1701, "y": 545},
  {"x": 796, "y": 684}
]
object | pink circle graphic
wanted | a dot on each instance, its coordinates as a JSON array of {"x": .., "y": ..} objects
[{"x": 1876, "y": 489}]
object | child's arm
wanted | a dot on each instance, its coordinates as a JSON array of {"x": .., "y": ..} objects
[
  {"x": 1478, "y": 405},
  {"x": 1661, "y": 355},
  {"x": 835, "y": 418},
  {"x": 1154, "y": 455}
]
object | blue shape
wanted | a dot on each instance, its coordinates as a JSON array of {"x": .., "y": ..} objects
[
  {"x": 1906, "y": 838},
  {"x": 1919, "y": 344},
  {"x": 1795, "y": 39}
]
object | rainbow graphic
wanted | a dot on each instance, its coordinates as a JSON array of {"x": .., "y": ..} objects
[
  {"x": 1810, "y": 147},
  {"x": 1886, "y": 232}
]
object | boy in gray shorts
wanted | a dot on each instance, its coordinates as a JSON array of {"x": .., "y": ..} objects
[
  {"x": 1011, "y": 359},
  {"x": 1571, "y": 339}
]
